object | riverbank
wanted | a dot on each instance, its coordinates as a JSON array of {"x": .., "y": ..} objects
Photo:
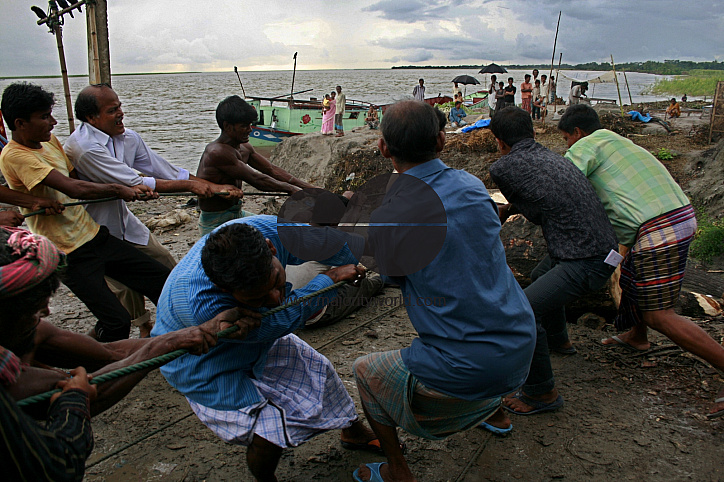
[{"x": 627, "y": 415}]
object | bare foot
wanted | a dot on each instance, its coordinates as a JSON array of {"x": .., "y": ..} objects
[
  {"x": 358, "y": 433},
  {"x": 499, "y": 419},
  {"x": 631, "y": 339},
  {"x": 365, "y": 474},
  {"x": 519, "y": 406}
]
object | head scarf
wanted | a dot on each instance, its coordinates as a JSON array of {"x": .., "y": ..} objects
[
  {"x": 39, "y": 258},
  {"x": 9, "y": 367}
]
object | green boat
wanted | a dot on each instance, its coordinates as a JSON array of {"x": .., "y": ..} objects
[{"x": 284, "y": 117}]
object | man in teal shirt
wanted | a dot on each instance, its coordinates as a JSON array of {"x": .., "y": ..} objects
[{"x": 654, "y": 221}]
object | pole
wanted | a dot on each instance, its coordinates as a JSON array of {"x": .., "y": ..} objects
[
  {"x": 104, "y": 52},
  {"x": 94, "y": 66},
  {"x": 620, "y": 102},
  {"x": 239, "y": 77},
  {"x": 628, "y": 88},
  {"x": 55, "y": 24},
  {"x": 553, "y": 58},
  {"x": 294, "y": 74}
]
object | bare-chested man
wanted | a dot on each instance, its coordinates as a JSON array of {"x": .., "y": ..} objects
[{"x": 230, "y": 159}]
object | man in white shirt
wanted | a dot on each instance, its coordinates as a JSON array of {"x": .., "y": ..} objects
[
  {"x": 419, "y": 91},
  {"x": 103, "y": 150}
]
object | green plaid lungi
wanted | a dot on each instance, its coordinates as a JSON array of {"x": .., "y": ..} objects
[
  {"x": 393, "y": 396},
  {"x": 210, "y": 220}
]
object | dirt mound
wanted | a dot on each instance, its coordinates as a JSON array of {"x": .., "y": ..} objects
[
  {"x": 478, "y": 141},
  {"x": 620, "y": 125},
  {"x": 706, "y": 187}
]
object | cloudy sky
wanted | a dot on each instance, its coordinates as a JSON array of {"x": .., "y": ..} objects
[{"x": 213, "y": 35}]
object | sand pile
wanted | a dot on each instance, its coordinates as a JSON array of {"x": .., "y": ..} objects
[{"x": 706, "y": 187}]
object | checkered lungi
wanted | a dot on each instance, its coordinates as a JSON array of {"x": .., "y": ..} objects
[
  {"x": 303, "y": 396},
  {"x": 653, "y": 270},
  {"x": 393, "y": 396}
]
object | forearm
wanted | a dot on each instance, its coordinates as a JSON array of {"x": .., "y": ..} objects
[
  {"x": 268, "y": 183},
  {"x": 165, "y": 185},
  {"x": 17, "y": 198}
]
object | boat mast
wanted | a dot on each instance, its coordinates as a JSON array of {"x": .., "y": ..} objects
[{"x": 294, "y": 74}]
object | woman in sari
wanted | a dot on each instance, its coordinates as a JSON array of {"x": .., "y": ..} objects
[{"x": 328, "y": 116}]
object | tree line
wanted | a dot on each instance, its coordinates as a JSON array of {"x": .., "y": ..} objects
[{"x": 667, "y": 67}]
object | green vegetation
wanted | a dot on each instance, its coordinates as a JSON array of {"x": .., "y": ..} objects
[
  {"x": 667, "y": 67},
  {"x": 697, "y": 83},
  {"x": 709, "y": 239},
  {"x": 664, "y": 154}
]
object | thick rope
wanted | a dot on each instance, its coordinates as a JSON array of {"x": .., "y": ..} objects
[
  {"x": 162, "y": 194},
  {"x": 163, "y": 359}
]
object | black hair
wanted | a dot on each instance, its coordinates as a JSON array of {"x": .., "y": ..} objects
[
  {"x": 493, "y": 77},
  {"x": 23, "y": 305},
  {"x": 511, "y": 125},
  {"x": 527, "y": 76},
  {"x": 501, "y": 83},
  {"x": 543, "y": 76},
  {"x": 421, "y": 80},
  {"x": 234, "y": 110},
  {"x": 673, "y": 99},
  {"x": 510, "y": 79},
  {"x": 86, "y": 104},
  {"x": 237, "y": 258},
  {"x": 582, "y": 116},
  {"x": 21, "y": 100},
  {"x": 410, "y": 130}
]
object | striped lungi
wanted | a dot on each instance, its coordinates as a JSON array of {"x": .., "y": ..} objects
[
  {"x": 653, "y": 270},
  {"x": 302, "y": 396},
  {"x": 393, "y": 396}
]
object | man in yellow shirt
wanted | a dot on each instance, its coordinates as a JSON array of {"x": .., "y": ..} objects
[{"x": 34, "y": 163}]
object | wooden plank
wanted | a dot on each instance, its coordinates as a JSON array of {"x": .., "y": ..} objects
[{"x": 717, "y": 96}]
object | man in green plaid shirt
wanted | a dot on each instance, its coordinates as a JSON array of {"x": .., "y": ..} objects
[{"x": 654, "y": 222}]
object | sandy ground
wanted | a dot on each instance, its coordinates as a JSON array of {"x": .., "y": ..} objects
[{"x": 628, "y": 416}]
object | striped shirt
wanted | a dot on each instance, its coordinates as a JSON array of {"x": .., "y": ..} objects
[
  {"x": 55, "y": 450},
  {"x": 221, "y": 379},
  {"x": 632, "y": 184}
]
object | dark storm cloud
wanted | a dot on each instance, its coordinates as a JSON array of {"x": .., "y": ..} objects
[{"x": 591, "y": 30}]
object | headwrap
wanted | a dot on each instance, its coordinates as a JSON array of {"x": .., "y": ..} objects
[
  {"x": 9, "y": 367},
  {"x": 39, "y": 258}
]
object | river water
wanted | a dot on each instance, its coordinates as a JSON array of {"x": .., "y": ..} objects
[{"x": 174, "y": 113}]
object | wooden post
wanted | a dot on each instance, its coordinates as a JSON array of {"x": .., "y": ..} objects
[
  {"x": 294, "y": 74},
  {"x": 55, "y": 24},
  {"x": 628, "y": 88},
  {"x": 99, "y": 58},
  {"x": 553, "y": 58},
  {"x": 620, "y": 102}
]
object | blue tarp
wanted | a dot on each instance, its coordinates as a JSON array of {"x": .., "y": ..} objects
[
  {"x": 635, "y": 115},
  {"x": 478, "y": 125}
]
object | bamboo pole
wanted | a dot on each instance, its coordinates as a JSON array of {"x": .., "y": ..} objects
[
  {"x": 94, "y": 63},
  {"x": 558, "y": 74},
  {"x": 553, "y": 59},
  {"x": 55, "y": 23},
  {"x": 618, "y": 88},
  {"x": 294, "y": 74},
  {"x": 628, "y": 88}
]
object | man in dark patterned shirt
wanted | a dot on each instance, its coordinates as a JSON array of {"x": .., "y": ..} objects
[{"x": 551, "y": 192}]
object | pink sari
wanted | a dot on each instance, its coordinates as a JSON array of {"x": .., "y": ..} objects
[{"x": 328, "y": 118}]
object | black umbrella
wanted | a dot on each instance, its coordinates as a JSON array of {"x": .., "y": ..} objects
[
  {"x": 465, "y": 80},
  {"x": 493, "y": 69}
]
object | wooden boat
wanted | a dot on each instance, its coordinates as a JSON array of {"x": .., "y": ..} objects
[{"x": 284, "y": 117}]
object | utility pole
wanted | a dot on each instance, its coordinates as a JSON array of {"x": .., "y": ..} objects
[{"x": 99, "y": 55}]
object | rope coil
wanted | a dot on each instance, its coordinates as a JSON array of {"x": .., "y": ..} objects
[{"x": 168, "y": 357}]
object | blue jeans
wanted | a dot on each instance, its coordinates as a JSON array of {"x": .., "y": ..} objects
[{"x": 556, "y": 283}]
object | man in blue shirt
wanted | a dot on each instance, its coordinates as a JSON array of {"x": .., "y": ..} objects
[
  {"x": 476, "y": 330},
  {"x": 270, "y": 390}
]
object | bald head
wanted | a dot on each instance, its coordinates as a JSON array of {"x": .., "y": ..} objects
[
  {"x": 411, "y": 131},
  {"x": 99, "y": 106}
]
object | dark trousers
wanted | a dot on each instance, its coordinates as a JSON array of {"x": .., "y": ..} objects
[
  {"x": 536, "y": 113},
  {"x": 106, "y": 255},
  {"x": 556, "y": 283}
]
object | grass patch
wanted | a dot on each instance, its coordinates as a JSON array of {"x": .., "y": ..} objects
[
  {"x": 698, "y": 83},
  {"x": 709, "y": 239}
]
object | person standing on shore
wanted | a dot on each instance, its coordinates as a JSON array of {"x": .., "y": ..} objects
[
  {"x": 230, "y": 159},
  {"x": 492, "y": 101},
  {"x": 103, "y": 150},
  {"x": 419, "y": 91},
  {"x": 526, "y": 94},
  {"x": 339, "y": 115},
  {"x": 654, "y": 222},
  {"x": 552, "y": 90},
  {"x": 510, "y": 93}
]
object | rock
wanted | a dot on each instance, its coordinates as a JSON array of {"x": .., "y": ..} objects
[
  {"x": 592, "y": 321},
  {"x": 654, "y": 130},
  {"x": 172, "y": 218}
]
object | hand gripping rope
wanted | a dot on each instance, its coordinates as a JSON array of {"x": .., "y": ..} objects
[{"x": 163, "y": 359}]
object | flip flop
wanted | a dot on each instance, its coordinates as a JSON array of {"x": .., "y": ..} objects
[
  {"x": 538, "y": 406},
  {"x": 374, "y": 472},
  {"x": 620, "y": 342},
  {"x": 720, "y": 413},
  {"x": 571, "y": 350},
  {"x": 500, "y": 432}
]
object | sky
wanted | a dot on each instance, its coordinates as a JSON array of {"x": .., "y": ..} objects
[{"x": 215, "y": 35}]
